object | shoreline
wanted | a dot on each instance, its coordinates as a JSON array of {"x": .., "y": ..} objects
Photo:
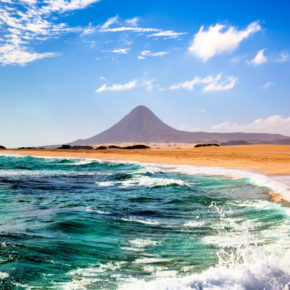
[
  {"x": 271, "y": 162},
  {"x": 266, "y": 159}
]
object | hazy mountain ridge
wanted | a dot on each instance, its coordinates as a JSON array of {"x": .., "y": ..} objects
[{"x": 142, "y": 125}]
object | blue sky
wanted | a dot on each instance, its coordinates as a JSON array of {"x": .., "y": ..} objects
[{"x": 70, "y": 69}]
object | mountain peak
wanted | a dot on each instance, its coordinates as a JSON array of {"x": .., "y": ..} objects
[
  {"x": 142, "y": 125},
  {"x": 141, "y": 108}
]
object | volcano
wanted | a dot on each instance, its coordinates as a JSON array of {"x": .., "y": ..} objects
[{"x": 142, "y": 125}]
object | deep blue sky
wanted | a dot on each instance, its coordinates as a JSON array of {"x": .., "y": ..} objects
[{"x": 70, "y": 69}]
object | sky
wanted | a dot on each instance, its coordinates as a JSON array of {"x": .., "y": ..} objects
[{"x": 70, "y": 69}]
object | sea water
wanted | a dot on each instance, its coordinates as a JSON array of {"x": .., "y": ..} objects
[{"x": 89, "y": 224}]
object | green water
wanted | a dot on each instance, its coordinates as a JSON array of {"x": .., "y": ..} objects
[{"x": 85, "y": 224}]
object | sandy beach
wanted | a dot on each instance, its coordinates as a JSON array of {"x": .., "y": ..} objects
[
  {"x": 267, "y": 159},
  {"x": 271, "y": 160}
]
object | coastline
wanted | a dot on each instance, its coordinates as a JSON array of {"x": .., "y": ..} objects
[
  {"x": 266, "y": 159},
  {"x": 272, "y": 161}
]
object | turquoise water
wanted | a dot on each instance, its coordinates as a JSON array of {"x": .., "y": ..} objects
[{"x": 85, "y": 224}]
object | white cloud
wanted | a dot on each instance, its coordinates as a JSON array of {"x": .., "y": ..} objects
[
  {"x": 117, "y": 87},
  {"x": 10, "y": 54},
  {"x": 89, "y": 29},
  {"x": 217, "y": 85},
  {"x": 150, "y": 53},
  {"x": 109, "y": 22},
  {"x": 64, "y": 5},
  {"x": 131, "y": 25},
  {"x": 210, "y": 83},
  {"x": 146, "y": 53},
  {"x": 260, "y": 58},
  {"x": 129, "y": 28},
  {"x": 149, "y": 84},
  {"x": 283, "y": 57},
  {"x": 133, "y": 21},
  {"x": 219, "y": 39},
  {"x": 274, "y": 124},
  {"x": 167, "y": 34},
  {"x": 268, "y": 85},
  {"x": 202, "y": 110},
  {"x": 30, "y": 21},
  {"x": 121, "y": 50}
]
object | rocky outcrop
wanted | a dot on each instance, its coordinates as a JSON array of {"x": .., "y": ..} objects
[
  {"x": 205, "y": 145},
  {"x": 137, "y": 146}
]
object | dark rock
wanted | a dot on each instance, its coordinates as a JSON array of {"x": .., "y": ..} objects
[
  {"x": 64, "y": 147},
  {"x": 84, "y": 147},
  {"x": 77, "y": 147},
  {"x": 114, "y": 147},
  {"x": 205, "y": 145},
  {"x": 25, "y": 148},
  {"x": 137, "y": 146},
  {"x": 101, "y": 148},
  {"x": 2, "y": 147}
]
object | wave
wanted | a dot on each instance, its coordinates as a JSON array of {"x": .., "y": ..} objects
[
  {"x": 91, "y": 209},
  {"x": 276, "y": 184},
  {"x": 250, "y": 176},
  {"x": 194, "y": 224},
  {"x": 140, "y": 243},
  {"x": 40, "y": 173},
  {"x": 146, "y": 181},
  {"x": 141, "y": 221},
  {"x": 240, "y": 277}
]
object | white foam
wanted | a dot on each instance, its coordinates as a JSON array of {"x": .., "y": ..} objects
[
  {"x": 87, "y": 277},
  {"x": 141, "y": 180},
  {"x": 239, "y": 277},
  {"x": 84, "y": 161},
  {"x": 3, "y": 275},
  {"x": 90, "y": 209},
  {"x": 24, "y": 172},
  {"x": 139, "y": 243},
  {"x": 151, "y": 260},
  {"x": 141, "y": 221},
  {"x": 106, "y": 183},
  {"x": 194, "y": 224}
]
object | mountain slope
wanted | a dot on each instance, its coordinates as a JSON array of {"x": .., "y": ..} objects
[{"x": 142, "y": 125}]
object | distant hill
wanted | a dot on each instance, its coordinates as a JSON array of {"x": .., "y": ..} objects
[{"x": 142, "y": 125}]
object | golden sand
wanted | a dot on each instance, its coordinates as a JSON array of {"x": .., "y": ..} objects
[{"x": 267, "y": 159}]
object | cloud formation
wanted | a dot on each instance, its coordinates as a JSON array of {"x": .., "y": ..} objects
[
  {"x": 274, "y": 124},
  {"x": 109, "y": 22},
  {"x": 29, "y": 21},
  {"x": 219, "y": 39},
  {"x": 283, "y": 57},
  {"x": 146, "y": 53},
  {"x": 268, "y": 85},
  {"x": 209, "y": 83},
  {"x": 260, "y": 58},
  {"x": 121, "y": 50},
  {"x": 117, "y": 87},
  {"x": 131, "y": 25}
]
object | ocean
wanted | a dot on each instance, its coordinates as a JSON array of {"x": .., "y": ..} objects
[{"x": 91, "y": 224}]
